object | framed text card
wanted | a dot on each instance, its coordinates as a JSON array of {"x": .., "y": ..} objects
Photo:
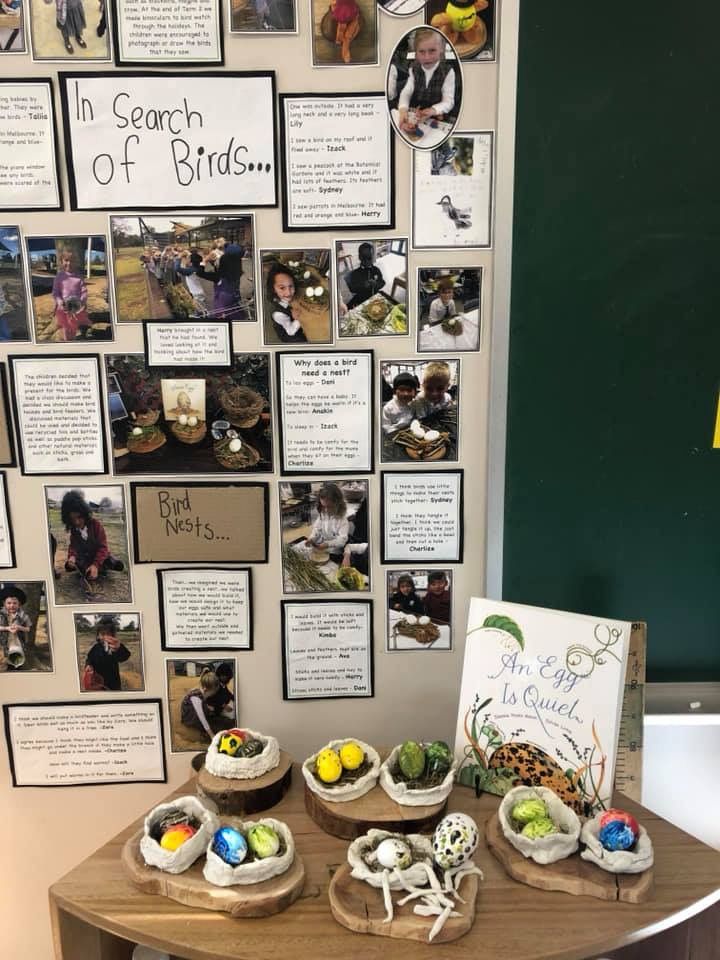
[
  {"x": 29, "y": 172},
  {"x": 421, "y": 515},
  {"x": 167, "y": 33},
  {"x": 205, "y": 608}
]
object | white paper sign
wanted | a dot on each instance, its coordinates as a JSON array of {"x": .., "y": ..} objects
[
  {"x": 338, "y": 162},
  {"x": 28, "y": 172},
  {"x": 170, "y": 140},
  {"x": 168, "y": 31},
  {"x": 74, "y": 744},
  {"x": 422, "y": 517},
  {"x": 326, "y": 412},
  {"x": 207, "y": 607},
  {"x": 188, "y": 344},
  {"x": 327, "y": 650},
  {"x": 6, "y": 551},
  {"x": 59, "y": 414}
]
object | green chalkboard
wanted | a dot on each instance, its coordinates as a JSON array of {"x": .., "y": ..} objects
[{"x": 612, "y": 486}]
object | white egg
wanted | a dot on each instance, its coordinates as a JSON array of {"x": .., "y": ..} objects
[
  {"x": 235, "y": 445},
  {"x": 415, "y": 425},
  {"x": 182, "y": 419},
  {"x": 319, "y": 291},
  {"x": 451, "y": 322},
  {"x": 192, "y": 421},
  {"x": 137, "y": 431},
  {"x": 306, "y": 275},
  {"x": 423, "y": 621},
  {"x": 432, "y": 435},
  {"x": 309, "y": 292},
  {"x": 455, "y": 840},
  {"x": 393, "y": 853},
  {"x": 418, "y": 432},
  {"x": 412, "y": 620}
]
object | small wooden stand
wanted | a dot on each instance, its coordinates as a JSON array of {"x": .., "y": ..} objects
[
  {"x": 360, "y": 907},
  {"x": 376, "y": 810},
  {"x": 571, "y": 875},
  {"x": 244, "y": 797}
]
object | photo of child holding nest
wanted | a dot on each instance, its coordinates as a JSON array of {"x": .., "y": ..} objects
[
  {"x": 420, "y": 416},
  {"x": 419, "y": 605},
  {"x": 345, "y": 32},
  {"x": 296, "y": 296}
]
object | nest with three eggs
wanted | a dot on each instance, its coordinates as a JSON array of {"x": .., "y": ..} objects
[{"x": 310, "y": 286}]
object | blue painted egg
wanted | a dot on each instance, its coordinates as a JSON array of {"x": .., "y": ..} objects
[
  {"x": 617, "y": 835},
  {"x": 230, "y": 845}
]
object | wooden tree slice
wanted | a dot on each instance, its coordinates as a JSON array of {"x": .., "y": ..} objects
[
  {"x": 375, "y": 810},
  {"x": 360, "y": 907},
  {"x": 243, "y": 797},
  {"x": 192, "y": 889},
  {"x": 571, "y": 875}
]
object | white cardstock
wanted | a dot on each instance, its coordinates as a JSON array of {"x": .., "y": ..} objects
[
  {"x": 170, "y": 140},
  {"x": 167, "y": 31},
  {"x": 71, "y": 744},
  {"x": 326, "y": 412},
  {"x": 206, "y": 608},
  {"x": 6, "y": 553},
  {"x": 422, "y": 517},
  {"x": 328, "y": 650},
  {"x": 338, "y": 162},
  {"x": 28, "y": 172},
  {"x": 188, "y": 344}
]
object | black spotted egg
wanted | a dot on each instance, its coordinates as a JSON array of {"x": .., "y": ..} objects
[{"x": 455, "y": 840}]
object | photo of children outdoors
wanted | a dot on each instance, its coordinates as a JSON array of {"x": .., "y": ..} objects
[
  {"x": 69, "y": 287},
  {"x": 419, "y": 604},
  {"x": 262, "y": 16},
  {"x": 12, "y": 28},
  {"x": 69, "y": 30},
  {"x": 296, "y": 296},
  {"x": 176, "y": 420},
  {"x": 109, "y": 651},
  {"x": 325, "y": 537},
  {"x": 419, "y": 401},
  {"x": 344, "y": 32},
  {"x": 24, "y": 633},
  {"x": 372, "y": 287},
  {"x": 201, "y": 701},
  {"x": 468, "y": 24},
  {"x": 448, "y": 300},
  {"x": 13, "y": 304},
  {"x": 88, "y": 544},
  {"x": 200, "y": 266}
]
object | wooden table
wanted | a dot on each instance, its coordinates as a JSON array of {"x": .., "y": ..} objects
[{"x": 97, "y": 913}]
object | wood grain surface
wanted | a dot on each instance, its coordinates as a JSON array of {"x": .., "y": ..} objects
[
  {"x": 245, "y": 797},
  {"x": 374, "y": 810}
]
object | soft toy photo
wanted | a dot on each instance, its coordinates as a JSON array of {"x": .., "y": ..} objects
[{"x": 460, "y": 22}]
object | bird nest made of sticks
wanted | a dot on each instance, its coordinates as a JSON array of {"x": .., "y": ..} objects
[
  {"x": 452, "y": 325},
  {"x": 423, "y": 448},
  {"x": 151, "y": 438},
  {"x": 147, "y": 418},
  {"x": 187, "y": 434},
  {"x": 421, "y": 632},
  {"x": 376, "y": 310},
  {"x": 241, "y": 459},
  {"x": 242, "y": 405}
]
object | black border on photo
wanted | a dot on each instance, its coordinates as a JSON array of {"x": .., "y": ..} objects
[
  {"x": 202, "y": 745},
  {"x": 52, "y": 360},
  {"x": 316, "y": 62},
  {"x": 308, "y": 472},
  {"x": 183, "y": 61},
  {"x": 148, "y": 324},
  {"x": 64, "y": 77},
  {"x": 85, "y": 705},
  {"x": 421, "y": 561},
  {"x": 388, "y": 632},
  {"x": 121, "y": 613},
  {"x": 240, "y": 571},
  {"x": 7, "y": 419},
  {"x": 481, "y": 271},
  {"x": 261, "y": 297},
  {"x": 285, "y": 180},
  {"x": 55, "y": 142},
  {"x": 8, "y": 524},
  {"x": 284, "y": 604},
  {"x": 263, "y": 33}
]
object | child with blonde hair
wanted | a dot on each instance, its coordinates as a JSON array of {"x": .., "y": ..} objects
[{"x": 433, "y": 396}]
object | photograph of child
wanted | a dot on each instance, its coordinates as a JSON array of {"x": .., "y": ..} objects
[
  {"x": 109, "y": 652},
  {"x": 24, "y": 631},
  {"x": 87, "y": 529},
  {"x": 424, "y": 88},
  {"x": 419, "y": 400},
  {"x": 201, "y": 701},
  {"x": 69, "y": 30},
  {"x": 372, "y": 287},
  {"x": 266, "y": 17},
  {"x": 13, "y": 303},
  {"x": 344, "y": 32},
  {"x": 468, "y": 24},
  {"x": 69, "y": 287},
  {"x": 449, "y": 311},
  {"x": 325, "y": 536},
  {"x": 419, "y": 604},
  {"x": 296, "y": 296},
  {"x": 12, "y": 27},
  {"x": 197, "y": 267}
]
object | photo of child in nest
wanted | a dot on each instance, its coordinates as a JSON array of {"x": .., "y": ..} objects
[
  {"x": 419, "y": 410},
  {"x": 372, "y": 287},
  {"x": 449, "y": 310},
  {"x": 13, "y": 303},
  {"x": 268, "y": 17},
  {"x": 201, "y": 701},
  {"x": 419, "y": 604},
  {"x": 296, "y": 296},
  {"x": 344, "y": 32},
  {"x": 25, "y": 645},
  {"x": 109, "y": 652}
]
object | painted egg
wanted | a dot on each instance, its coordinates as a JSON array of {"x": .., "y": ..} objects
[
  {"x": 455, "y": 840},
  {"x": 319, "y": 291},
  {"x": 310, "y": 292},
  {"x": 137, "y": 431},
  {"x": 182, "y": 419},
  {"x": 230, "y": 845},
  {"x": 617, "y": 835},
  {"x": 539, "y": 827},
  {"x": 192, "y": 421},
  {"x": 328, "y": 766},
  {"x": 235, "y": 445},
  {"x": 176, "y": 836},
  {"x": 393, "y": 853},
  {"x": 229, "y": 743},
  {"x": 614, "y": 814}
]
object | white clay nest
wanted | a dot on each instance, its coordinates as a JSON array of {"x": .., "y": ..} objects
[
  {"x": 548, "y": 849},
  {"x": 637, "y": 860},
  {"x": 177, "y": 861},
  {"x": 405, "y": 795},
  {"x": 350, "y": 790},
  {"x": 242, "y": 768},
  {"x": 223, "y": 874}
]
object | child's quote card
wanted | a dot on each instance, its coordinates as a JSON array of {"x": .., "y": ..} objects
[
  {"x": 28, "y": 172},
  {"x": 540, "y": 701}
]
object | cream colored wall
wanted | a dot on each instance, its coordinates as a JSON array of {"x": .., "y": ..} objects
[{"x": 47, "y": 831}]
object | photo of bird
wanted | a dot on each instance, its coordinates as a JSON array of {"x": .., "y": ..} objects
[
  {"x": 461, "y": 218},
  {"x": 442, "y": 161}
]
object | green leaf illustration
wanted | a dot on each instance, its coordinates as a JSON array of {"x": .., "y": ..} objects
[{"x": 498, "y": 622}]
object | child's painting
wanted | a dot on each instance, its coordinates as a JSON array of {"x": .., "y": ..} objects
[
  {"x": 325, "y": 536},
  {"x": 176, "y": 421},
  {"x": 420, "y": 410},
  {"x": 25, "y": 645},
  {"x": 449, "y": 309},
  {"x": 189, "y": 268},
  {"x": 87, "y": 529},
  {"x": 419, "y": 606},
  {"x": 69, "y": 288},
  {"x": 264, "y": 17},
  {"x": 13, "y": 303},
  {"x": 344, "y": 32},
  {"x": 423, "y": 87},
  {"x": 468, "y": 24},
  {"x": 296, "y": 296},
  {"x": 201, "y": 701},
  {"x": 12, "y": 27},
  {"x": 69, "y": 30},
  {"x": 371, "y": 279},
  {"x": 109, "y": 652}
]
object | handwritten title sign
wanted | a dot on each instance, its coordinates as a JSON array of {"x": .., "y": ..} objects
[{"x": 161, "y": 142}]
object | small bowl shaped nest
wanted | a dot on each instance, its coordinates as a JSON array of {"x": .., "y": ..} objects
[
  {"x": 242, "y": 405},
  {"x": 147, "y": 418},
  {"x": 241, "y": 459},
  {"x": 151, "y": 439},
  {"x": 187, "y": 434}
]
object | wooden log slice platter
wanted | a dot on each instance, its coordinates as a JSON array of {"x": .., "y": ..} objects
[
  {"x": 376, "y": 810},
  {"x": 571, "y": 875},
  {"x": 360, "y": 907},
  {"x": 193, "y": 890},
  {"x": 244, "y": 797}
]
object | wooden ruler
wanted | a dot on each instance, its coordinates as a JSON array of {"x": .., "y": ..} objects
[{"x": 628, "y": 765}]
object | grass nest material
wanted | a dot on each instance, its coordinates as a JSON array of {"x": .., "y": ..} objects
[
  {"x": 187, "y": 434},
  {"x": 151, "y": 438},
  {"x": 347, "y": 776},
  {"x": 452, "y": 325},
  {"x": 376, "y": 310},
  {"x": 424, "y": 782},
  {"x": 241, "y": 459},
  {"x": 242, "y": 405},
  {"x": 304, "y": 574}
]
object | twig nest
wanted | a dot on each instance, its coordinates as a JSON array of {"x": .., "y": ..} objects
[
  {"x": 636, "y": 860},
  {"x": 403, "y": 794},
  {"x": 546, "y": 848},
  {"x": 242, "y": 768},
  {"x": 349, "y": 789},
  {"x": 255, "y": 870},
  {"x": 176, "y": 861},
  {"x": 364, "y": 862}
]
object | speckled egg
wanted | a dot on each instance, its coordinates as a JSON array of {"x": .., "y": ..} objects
[
  {"x": 392, "y": 853},
  {"x": 455, "y": 840}
]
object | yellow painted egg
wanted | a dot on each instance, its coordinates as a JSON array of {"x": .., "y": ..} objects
[
  {"x": 328, "y": 766},
  {"x": 351, "y": 755},
  {"x": 176, "y": 836}
]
